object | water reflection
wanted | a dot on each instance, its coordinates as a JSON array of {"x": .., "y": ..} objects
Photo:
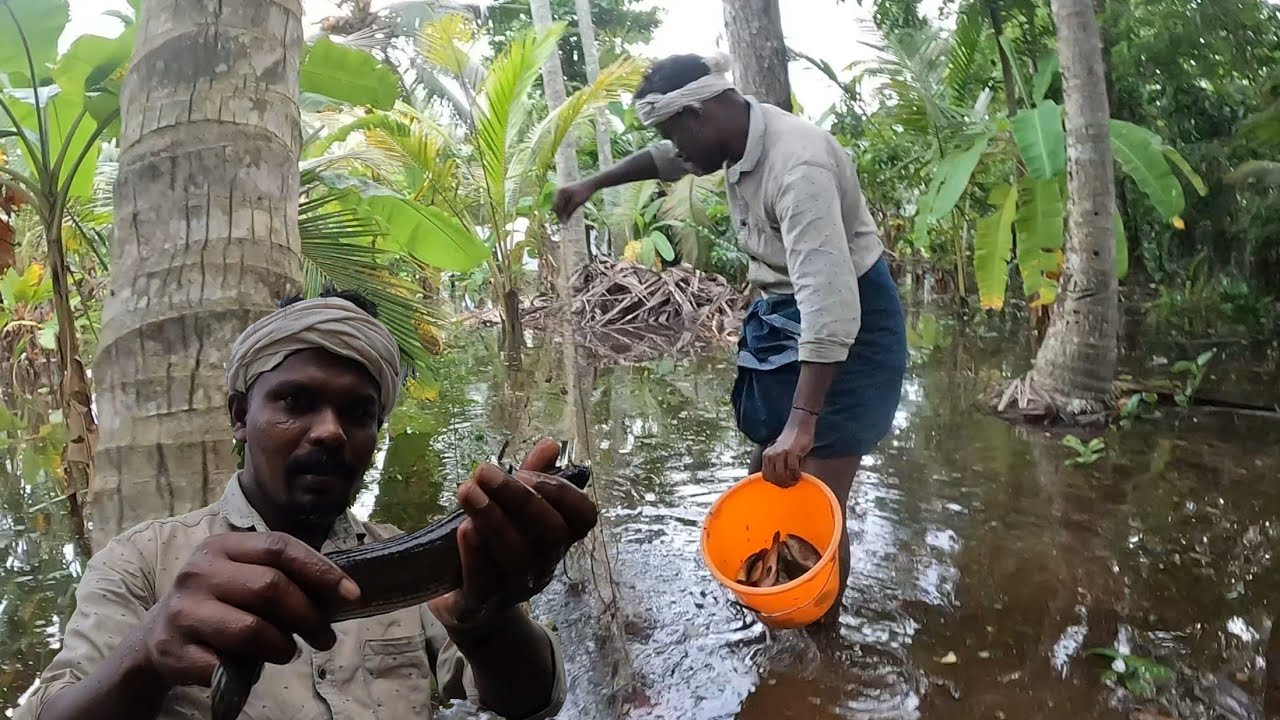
[{"x": 984, "y": 567}]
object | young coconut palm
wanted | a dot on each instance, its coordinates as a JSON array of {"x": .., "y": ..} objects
[{"x": 505, "y": 156}]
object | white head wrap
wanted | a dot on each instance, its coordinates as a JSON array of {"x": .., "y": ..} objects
[
  {"x": 331, "y": 324},
  {"x": 657, "y": 107}
]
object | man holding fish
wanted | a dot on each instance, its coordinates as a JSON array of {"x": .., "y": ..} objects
[
  {"x": 823, "y": 352},
  {"x": 238, "y": 583}
]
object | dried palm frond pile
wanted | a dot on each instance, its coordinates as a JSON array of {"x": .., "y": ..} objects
[{"x": 627, "y": 312}]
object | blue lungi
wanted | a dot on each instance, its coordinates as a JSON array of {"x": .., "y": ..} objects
[{"x": 864, "y": 395}]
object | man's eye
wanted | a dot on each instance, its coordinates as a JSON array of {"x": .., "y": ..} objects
[{"x": 293, "y": 403}]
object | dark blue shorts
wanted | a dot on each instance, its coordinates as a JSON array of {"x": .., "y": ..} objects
[{"x": 864, "y": 395}]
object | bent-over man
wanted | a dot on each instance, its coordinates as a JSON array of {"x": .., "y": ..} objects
[{"x": 823, "y": 352}]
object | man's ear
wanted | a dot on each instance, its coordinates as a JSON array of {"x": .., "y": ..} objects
[{"x": 238, "y": 409}]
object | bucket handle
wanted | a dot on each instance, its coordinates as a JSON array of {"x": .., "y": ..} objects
[{"x": 830, "y": 578}]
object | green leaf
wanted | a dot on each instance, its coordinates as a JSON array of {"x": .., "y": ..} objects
[
  {"x": 1192, "y": 176},
  {"x": 1204, "y": 357},
  {"x": 1041, "y": 140},
  {"x": 104, "y": 107},
  {"x": 662, "y": 245},
  {"x": 428, "y": 234},
  {"x": 348, "y": 75},
  {"x": 646, "y": 254},
  {"x": 32, "y": 287},
  {"x": 41, "y": 22},
  {"x": 504, "y": 108},
  {"x": 1040, "y": 238},
  {"x": 1142, "y": 160},
  {"x": 60, "y": 112},
  {"x": 579, "y": 108},
  {"x": 992, "y": 246},
  {"x": 1012, "y": 55},
  {"x": 92, "y": 61},
  {"x": 685, "y": 205},
  {"x": 953, "y": 174},
  {"x": 1049, "y": 66},
  {"x": 1074, "y": 443},
  {"x": 1183, "y": 366},
  {"x": 48, "y": 336},
  {"x": 1122, "y": 249}
]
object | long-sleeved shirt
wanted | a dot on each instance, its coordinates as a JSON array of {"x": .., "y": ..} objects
[
  {"x": 381, "y": 667},
  {"x": 803, "y": 222}
]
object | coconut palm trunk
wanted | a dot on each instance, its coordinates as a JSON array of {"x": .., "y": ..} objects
[
  {"x": 573, "y": 235},
  {"x": 1074, "y": 371},
  {"x": 205, "y": 241},
  {"x": 759, "y": 51},
  {"x": 604, "y": 138}
]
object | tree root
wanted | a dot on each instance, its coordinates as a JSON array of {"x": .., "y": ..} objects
[{"x": 1023, "y": 400}]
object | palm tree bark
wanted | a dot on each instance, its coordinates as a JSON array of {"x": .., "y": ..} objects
[
  {"x": 206, "y": 240},
  {"x": 573, "y": 235},
  {"x": 759, "y": 51},
  {"x": 1075, "y": 368},
  {"x": 604, "y": 138}
]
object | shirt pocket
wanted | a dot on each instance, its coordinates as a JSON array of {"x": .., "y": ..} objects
[{"x": 399, "y": 676}]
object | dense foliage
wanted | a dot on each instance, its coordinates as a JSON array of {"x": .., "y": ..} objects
[{"x": 426, "y": 166}]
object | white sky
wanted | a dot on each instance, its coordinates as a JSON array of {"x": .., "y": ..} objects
[{"x": 825, "y": 29}]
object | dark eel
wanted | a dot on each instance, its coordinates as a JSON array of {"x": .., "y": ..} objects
[{"x": 395, "y": 573}]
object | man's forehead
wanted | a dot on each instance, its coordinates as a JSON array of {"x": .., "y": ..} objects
[{"x": 322, "y": 367}]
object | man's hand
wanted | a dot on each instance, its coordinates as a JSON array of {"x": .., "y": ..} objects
[
  {"x": 783, "y": 459},
  {"x": 243, "y": 594},
  {"x": 571, "y": 197},
  {"x": 516, "y": 532}
]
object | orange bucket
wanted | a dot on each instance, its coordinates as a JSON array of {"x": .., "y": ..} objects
[{"x": 744, "y": 519}]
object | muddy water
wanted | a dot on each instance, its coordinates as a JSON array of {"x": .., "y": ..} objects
[{"x": 984, "y": 567}]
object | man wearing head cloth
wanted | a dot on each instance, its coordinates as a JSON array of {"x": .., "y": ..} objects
[
  {"x": 823, "y": 350},
  {"x": 310, "y": 386}
]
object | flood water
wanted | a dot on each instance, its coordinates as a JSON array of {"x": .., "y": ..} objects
[{"x": 984, "y": 567}]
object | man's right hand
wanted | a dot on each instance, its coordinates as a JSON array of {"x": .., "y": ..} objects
[
  {"x": 243, "y": 594},
  {"x": 571, "y": 197}
]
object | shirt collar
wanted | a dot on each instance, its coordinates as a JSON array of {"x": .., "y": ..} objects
[
  {"x": 347, "y": 531},
  {"x": 755, "y": 143}
]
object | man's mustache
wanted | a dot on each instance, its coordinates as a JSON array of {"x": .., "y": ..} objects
[{"x": 319, "y": 462}]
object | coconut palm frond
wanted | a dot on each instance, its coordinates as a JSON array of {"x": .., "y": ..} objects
[
  {"x": 502, "y": 107},
  {"x": 913, "y": 66},
  {"x": 445, "y": 44},
  {"x": 621, "y": 76},
  {"x": 532, "y": 159},
  {"x": 338, "y": 248},
  {"x": 969, "y": 58}
]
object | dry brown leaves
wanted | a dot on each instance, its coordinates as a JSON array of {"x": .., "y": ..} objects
[{"x": 629, "y": 313}]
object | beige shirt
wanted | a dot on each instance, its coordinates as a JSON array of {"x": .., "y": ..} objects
[
  {"x": 380, "y": 669},
  {"x": 802, "y": 220}
]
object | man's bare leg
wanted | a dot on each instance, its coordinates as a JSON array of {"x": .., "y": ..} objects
[{"x": 838, "y": 474}]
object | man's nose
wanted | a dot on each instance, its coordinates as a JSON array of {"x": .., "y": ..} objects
[{"x": 326, "y": 429}]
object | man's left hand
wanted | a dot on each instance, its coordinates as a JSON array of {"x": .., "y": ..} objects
[
  {"x": 517, "y": 530},
  {"x": 783, "y": 459}
]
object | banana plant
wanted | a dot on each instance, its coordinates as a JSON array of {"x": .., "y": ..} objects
[{"x": 1034, "y": 202}]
